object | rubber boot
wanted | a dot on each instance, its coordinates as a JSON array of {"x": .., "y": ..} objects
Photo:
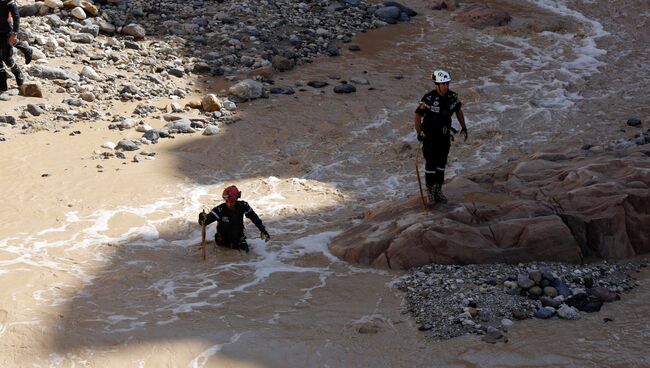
[
  {"x": 18, "y": 74},
  {"x": 439, "y": 197},
  {"x": 3, "y": 81}
]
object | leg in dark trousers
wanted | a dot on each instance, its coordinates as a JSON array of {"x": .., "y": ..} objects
[
  {"x": 26, "y": 50},
  {"x": 435, "y": 154},
  {"x": 7, "y": 58}
]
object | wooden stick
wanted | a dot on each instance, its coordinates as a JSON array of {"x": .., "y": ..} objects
[
  {"x": 203, "y": 237},
  {"x": 417, "y": 172}
]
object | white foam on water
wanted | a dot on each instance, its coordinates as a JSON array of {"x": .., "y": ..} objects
[{"x": 201, "y": 360}]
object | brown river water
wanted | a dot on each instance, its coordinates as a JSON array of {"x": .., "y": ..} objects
[{"x": 122, "y": 285}]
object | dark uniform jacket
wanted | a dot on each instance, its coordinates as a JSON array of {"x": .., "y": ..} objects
[
  {"x": 436, "y": 112},
  {"x": 9, "y": 16},
  {"x": 230, "y": 222}
]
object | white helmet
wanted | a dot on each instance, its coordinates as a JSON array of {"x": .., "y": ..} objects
[{"x": 440, "y": 76}]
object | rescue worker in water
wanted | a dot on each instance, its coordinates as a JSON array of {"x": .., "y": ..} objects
[{"x": 230, "y": 220}]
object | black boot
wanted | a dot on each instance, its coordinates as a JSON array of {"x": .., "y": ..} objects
[
  {"x": 439, "y": 197},
  {"x": 3, "y": 81},
  {"x": 28, "y": 52},
  {"x": 18, "y": 74}
]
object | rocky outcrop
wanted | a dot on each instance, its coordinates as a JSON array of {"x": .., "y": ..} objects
[
  {"x": 547, "y": 207},
  {"x": 481, "y": 16}
]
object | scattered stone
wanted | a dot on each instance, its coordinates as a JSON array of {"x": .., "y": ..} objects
[
  {"x": 545, "y": 313},
  {"x": 550, "y": 291},
  {"x": 354, "y": 47},
  {"x": 345, "y": 88},
  {"x": 127, "y": 145},
  {"x": 34, "y": 110},
  {"x": 211, "y": 130},
  {"x": 585, "y": 303},
  {"x": 282, "y": 90},
  {"x": 247, "y": 89},
  {"x": 567, "y": 312},
  {"x": 634, "y": 122},
  {"x": 109, "y": 145},
  {"x": 359, "y": 81},
  {"x": 210, "y": 103},
  {"x": 317, "y": 84},
  {"x": 137, "y": 31}
]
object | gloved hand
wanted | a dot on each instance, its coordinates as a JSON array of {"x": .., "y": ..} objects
[
  {"x": 421, "y": 136},
  {"x": 463, "y": 132},
  {"x": 265, "y": 235},
  {"x": 202, "y": 217}
]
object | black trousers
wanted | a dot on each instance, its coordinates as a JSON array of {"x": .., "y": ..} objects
[
  {"x": 435, "y": 152},
  {"x": 7, "y": 57}
]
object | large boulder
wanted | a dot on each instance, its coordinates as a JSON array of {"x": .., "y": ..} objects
[
  {"x": 47, "y": 72},
  {"x": 547, "y": 207},
  {"x": 247, "y": 89},
  {"x": 137, "y": 31}
]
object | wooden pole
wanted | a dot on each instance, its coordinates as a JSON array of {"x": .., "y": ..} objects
[
  {"x": 203, "y": 237},
  {"x": 417, "y": 172}
]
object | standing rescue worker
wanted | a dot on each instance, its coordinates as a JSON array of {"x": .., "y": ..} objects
[
  {"x": 230, "y": 220},
  {"x": 9, "y": 26},
  {"x": 433, "y": 125}
]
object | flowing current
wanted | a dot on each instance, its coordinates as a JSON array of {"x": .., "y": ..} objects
[{"x": 123, "y": 286}]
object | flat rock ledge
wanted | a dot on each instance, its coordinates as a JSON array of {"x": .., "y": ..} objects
[{"x": 564, "y": 207}]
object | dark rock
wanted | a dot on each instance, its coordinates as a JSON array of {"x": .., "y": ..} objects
[
  {"x": 536, "y": 276},
  {"x": 404, "y": 9},
  {"x": 549, "y": 302},
  {"x": 548, "y": 276},
  {"x": 524, "y": 282},
  {"x": 317, "y": 84},
  {"x": 127, "y": 145},
  {"x": 29, "y": 10},
  {"x": 388, "y": 13},
  {"x": 544, "y": 313},
  {"x": 585, "y": 303},
  {"x": 588, "y": 282},
  {"x": 535, "y": 292},
  {"x": 151, "y": 135},
  {"x": 425, "y": 327},
  {"x": 132, "y": 45},
  {"x": 34, "y": 110},
  {"x": 520, "y": 314},
  {"x": 603, "y": 294},
  {"x": 561, "y": 287},
  {"x": 282, "y": 91},
  {"x": 550, "y": 291},
  {"x": 345, "y": 88},
  {"x": 634, "y": 122},
  {"x": 176, "y": 72},
  {"x": 333, "y": 50},
  {"x": 354, "y": 48}
]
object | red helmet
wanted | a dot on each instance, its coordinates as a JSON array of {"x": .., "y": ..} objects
[{"x": 231, "y": 194}]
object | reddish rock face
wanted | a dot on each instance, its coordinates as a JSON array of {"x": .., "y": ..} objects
[{"x": 549, "y": 207}]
